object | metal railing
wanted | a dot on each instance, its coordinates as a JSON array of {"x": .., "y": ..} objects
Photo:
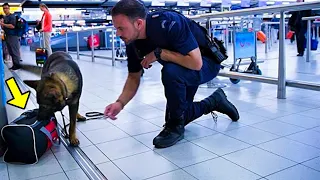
[
  {"x": 269, "y": 34},
  {"x": 309, "y": 19},
  {"x": 92, "y": 55},
  {"x": 281, "y": 81}
]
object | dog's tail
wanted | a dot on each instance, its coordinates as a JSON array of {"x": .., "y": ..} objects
[{"x": 37, "y": 70}]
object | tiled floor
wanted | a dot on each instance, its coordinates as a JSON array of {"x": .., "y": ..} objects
[{"x": 274, "y": 139}]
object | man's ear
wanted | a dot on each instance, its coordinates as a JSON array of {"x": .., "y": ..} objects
[{"x": 32, "y": 83}]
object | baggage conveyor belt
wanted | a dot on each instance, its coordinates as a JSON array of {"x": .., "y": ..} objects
[{"x": 87, "y": 166}]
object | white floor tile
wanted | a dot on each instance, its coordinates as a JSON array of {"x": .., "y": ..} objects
[
  {"x": 178, "y": 174},
  {"x": 313, "y": 163},
  {"x": 290, "y": 149},
  {"x": 77, "y": 175},
  {"x": 93, "y": 124},
  {"x": 190, "y": 155},
  {"x": 149, "y": 113},
  {"x": 298, "y": 172},
  {"x": 112, "y": 172},
  {"x": 300, "y": 120},
  {"x": 125, "y": 117},
  {"x": 60, "y": 176},
  {"x": 48, "y": 165},
  {"x": 251, "y": 135},
  {"x": 95, "y": 155},
  {"x": 314, "y": 113},
  {"x": 221, "y": 144},
  {"x": 104, "y": 135},
  {"x": 220, "y": 169},
  {"x": 259, "y": 161},
  {"x": 122, "y": 148},
  {"x": 195, "y": 131},
  {"x": 248, "y": 118},
  {"x": 278, "y": 127},
  {"x": 4, "y": 172},
  {"x": 159, "y": 121},
  {"x": 145, "y": 165},
  {"x": 309, "y": 137},
  {"x": 84, "y": 141},
  {"x": 269, "y": 112},
  {"x": 66, "y": 161},
  {"x": 139, "y": 127}
]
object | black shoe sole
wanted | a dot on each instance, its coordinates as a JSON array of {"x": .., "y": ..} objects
[{"x": 168, "y": 145}]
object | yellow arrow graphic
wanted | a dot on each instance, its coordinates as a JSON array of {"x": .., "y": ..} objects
[{"x": 18, "y": 100}]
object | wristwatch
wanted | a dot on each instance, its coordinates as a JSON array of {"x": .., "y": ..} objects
[{"x": 157, "y": 53}]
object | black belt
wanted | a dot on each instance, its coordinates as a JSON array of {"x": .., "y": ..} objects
[{"x": 94, "y": 115}]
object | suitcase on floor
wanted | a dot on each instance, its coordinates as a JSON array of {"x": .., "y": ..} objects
[
  {"x": 41, "y": 56},
  {"x": 28, "y": 139},
  {"x": 261, "y": 36}
]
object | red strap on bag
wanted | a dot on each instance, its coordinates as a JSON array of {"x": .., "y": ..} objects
[{"x": 50, "y": 130}]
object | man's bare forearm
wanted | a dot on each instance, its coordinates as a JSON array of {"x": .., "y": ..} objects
[{"x": 130, "y": 88}]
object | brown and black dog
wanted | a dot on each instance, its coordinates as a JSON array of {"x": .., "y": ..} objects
[{"x": 60, "y": 85}]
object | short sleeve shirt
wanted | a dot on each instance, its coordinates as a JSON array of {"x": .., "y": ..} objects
[
  {"x": 166, "y": 30},
  {"x": 10, "y": 19}
]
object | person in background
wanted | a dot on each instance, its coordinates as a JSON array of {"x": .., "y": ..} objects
[
  {"x": 11, "y": 37},
  {"x": 46, "y": 27},
  {"x": 2, "y": 38},
  {"x": 275, "y": 28},
  {"x": 299, "y": 26}
]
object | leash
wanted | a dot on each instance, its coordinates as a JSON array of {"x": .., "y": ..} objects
[{"x": 91, "y": 116}]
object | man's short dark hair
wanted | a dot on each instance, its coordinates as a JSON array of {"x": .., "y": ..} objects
[
  {"x": 5, "y": 4},
  {"x": 131, "y": 8}
]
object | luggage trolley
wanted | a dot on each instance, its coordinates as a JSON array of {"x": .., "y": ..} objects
[
  {"x": 41, "y": 52},
  {"x": 121, "y": 54},
  {"x": 244, "y": 44},
  {"x": 120, "y": 48}
]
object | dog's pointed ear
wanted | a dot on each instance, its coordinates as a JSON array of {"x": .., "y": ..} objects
[{"x": 32, "y": 83}]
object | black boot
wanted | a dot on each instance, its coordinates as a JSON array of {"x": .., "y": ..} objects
[
  {"x": 172, "y": 133},
  {"x": 218, "y": 102}
]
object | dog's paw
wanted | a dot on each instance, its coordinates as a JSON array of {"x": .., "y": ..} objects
[{"x": 74, "y": 142}]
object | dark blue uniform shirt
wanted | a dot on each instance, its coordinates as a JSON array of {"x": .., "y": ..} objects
[{"x": 167, "y": 30}]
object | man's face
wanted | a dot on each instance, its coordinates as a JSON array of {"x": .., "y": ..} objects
[
  {"x": 6, "y": 9},
  {"x": 127, "y": 29}
]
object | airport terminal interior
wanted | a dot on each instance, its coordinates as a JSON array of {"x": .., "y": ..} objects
[{"x": 274, "y": 87}]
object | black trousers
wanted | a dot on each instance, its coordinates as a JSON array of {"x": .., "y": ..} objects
[{"x": 301, "y": 40}]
